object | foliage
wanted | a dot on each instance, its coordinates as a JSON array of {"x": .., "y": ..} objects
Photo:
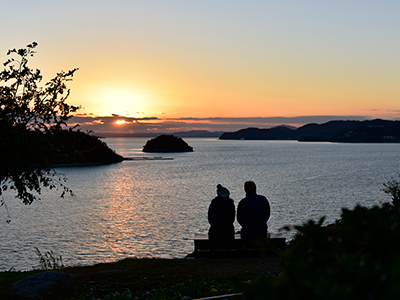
[
  {"x": 49, "y": 261},
  {"x": 392, "y": 187},
  {"x": 29, "y": 113},
  {"x": 77, "y": 147},
  {"x": 358, "y": 257}
]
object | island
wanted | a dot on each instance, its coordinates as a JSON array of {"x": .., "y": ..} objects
[
  {"x": 167, "y": 143},
  {"x": 369, "y": 131},
  {"x": 69, "y": 148}
]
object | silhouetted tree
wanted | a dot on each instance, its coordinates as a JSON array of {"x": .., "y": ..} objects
[{"x": 29, "y": 114}]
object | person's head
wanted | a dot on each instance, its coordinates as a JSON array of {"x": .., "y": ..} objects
[
  {"x": 250, "y": 187},
  {"x": 222, "y": 191}
]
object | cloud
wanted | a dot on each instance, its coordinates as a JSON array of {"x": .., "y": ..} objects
[
  {"x": 279, "y": 120},
  {"x": 107, "y": 124}
]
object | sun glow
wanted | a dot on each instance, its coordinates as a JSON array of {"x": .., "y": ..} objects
[
  {"x": 120, "y": 122},
  {"x": 121, "y": 101}
]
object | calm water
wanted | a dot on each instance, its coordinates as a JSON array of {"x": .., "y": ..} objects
[{"x": 154, "y": 208}]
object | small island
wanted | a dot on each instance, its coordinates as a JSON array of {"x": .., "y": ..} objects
[{"x": 167, "y": 143}]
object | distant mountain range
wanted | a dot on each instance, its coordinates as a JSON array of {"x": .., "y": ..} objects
[
  {"x": 370, "y": 131},
  {"x": 182, "y": 134}
]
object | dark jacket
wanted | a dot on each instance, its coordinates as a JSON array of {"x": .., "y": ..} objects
[
  {"x": 252, "y": 214},
  {"x": 221, "y": 215}
]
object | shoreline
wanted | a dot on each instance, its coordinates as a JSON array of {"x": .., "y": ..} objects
[{"x": 137, "y": 158}]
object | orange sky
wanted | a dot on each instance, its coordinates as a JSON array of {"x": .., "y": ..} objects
[{"x": 181, "y": 59}]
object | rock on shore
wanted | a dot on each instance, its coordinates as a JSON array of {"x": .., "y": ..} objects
[{"x": 36, "y": 286}]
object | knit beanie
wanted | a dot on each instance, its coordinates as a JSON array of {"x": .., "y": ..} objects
[{"x": 222, "y": 191}]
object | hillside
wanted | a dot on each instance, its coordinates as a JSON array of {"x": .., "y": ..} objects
[
  {"x": 371, "y": 131},
  {"x": 78, "y": 148}
]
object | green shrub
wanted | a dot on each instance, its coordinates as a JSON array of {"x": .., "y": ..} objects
[{"x": 358, "y": 257}]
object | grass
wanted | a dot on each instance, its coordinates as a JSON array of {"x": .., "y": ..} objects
[
  {"x": 143, "y": 275},
  {"x": 49, "y": 261}
]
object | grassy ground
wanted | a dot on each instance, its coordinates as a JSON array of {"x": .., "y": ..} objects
[{"x": 143, "y": 275}]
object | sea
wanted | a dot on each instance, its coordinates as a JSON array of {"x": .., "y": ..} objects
[{"x": 152, "y": 208}]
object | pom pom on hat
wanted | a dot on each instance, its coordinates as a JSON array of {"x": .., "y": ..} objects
[{"x": 222, "y": 191}]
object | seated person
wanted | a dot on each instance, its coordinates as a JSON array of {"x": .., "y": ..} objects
[
  {"x": 221, "y": 216},
  {"x": 253, "y": 213}
]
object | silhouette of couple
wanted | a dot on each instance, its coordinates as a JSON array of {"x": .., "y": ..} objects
[{"x": 253, "y": 212}]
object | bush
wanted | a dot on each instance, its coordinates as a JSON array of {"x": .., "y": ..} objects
[{"x": 358, "y": 257}]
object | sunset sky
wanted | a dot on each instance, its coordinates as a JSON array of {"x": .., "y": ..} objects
[{"x": 214, "y": 65}]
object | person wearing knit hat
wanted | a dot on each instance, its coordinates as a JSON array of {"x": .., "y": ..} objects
[
  {"x": 253, "y": 213},
  {"x": 221, "y": 216},
  {"x": 222, "y": 191}
]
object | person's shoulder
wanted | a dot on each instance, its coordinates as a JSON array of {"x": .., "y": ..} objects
[
  {"x": 262, "y": 197},
  {"x": 221, "y": 199},
  {"x": 244, "y": 201},
  {"x": 227, "y": 199},
  {"x": 215, "y": 199}
]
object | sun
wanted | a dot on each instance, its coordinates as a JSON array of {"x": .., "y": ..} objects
[{"x": 120, "y": 122}]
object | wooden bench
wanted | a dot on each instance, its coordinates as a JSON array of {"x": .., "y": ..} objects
[{"x": 203, "y": 247}]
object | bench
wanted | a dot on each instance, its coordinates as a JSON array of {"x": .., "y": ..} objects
[{"x": 203, "y": 247}]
